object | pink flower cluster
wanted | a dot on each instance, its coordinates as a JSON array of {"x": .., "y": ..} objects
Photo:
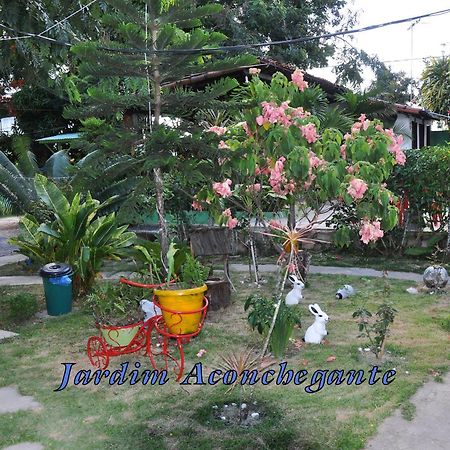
[
  {"x": 297, "y": 79},
  {"x": 217, "y": 130},
  {"x": 232, "y": 222},
  {"x": 396, "y": 146},
  {"x": 223, "y": 189},
  {"x": 357, "y": 188},
  {"x": 197, "y": 206},
  {"x": 222, "y": 145},
  {"x": 309, "y": 132},
  {"x": 254, "y": 188},
  {"x": 363, "y": 124},
  {"x": 274, "y": 114},
  {"x": 277, "y": 179},
  {"x": 254, "y": 71},
  {"x": 370, "y": 231}
]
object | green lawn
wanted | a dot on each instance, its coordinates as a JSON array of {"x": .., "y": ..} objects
[{"x": 175, "y": 417}]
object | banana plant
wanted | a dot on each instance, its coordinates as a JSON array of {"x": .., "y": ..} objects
[{"x": 77, "y": 235}]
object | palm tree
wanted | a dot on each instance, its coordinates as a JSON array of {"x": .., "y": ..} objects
[{"x": 435, "y": 92}]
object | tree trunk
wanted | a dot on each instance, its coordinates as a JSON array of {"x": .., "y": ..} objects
[{"x": 157, "y": 173}]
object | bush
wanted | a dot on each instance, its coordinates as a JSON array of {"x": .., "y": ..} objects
[{"x": 22, "y": 306}]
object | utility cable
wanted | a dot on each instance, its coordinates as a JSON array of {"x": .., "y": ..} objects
[{"x": 240, "y": 47}]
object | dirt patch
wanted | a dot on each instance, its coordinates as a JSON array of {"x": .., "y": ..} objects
[{"x": 242, "y": 415}]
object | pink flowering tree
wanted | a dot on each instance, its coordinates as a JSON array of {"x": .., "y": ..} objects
[{"x": 277, "y": 150}]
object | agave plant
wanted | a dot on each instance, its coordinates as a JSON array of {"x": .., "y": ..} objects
[{"x": 77, "y": 235}]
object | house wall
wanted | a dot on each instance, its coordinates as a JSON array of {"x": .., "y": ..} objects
[
  {"x": 403, "y": 126},
  {"x": 410, "y": 126}
]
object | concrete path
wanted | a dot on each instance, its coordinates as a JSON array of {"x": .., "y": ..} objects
[
  {"x": 7, "y": 334},
  {"x": 25, "y": 446},
  {"x": 23, "y": 280},
  {"x": 11, "y": 401},
  {"x": 9, "y": 227},
  {"x": 430, "y": 427},
  {"x": 329, "y": 270}
]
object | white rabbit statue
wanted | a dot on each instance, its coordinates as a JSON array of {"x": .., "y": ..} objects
[
  {"x": 295, "y": 295},
  {"x": 317, "y": 331},
  {"x": 150, "y": 309}
]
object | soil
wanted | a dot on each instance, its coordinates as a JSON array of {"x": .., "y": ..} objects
[{"x": 243, "y": 415}]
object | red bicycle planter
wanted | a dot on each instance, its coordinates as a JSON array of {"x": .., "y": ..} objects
[
  {"x": 119, "y": 340},
  {"x": 159, "y": 341},
  {"x": 164, "y": 346}
]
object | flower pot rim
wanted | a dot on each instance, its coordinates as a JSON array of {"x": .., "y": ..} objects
[
  {"x": 180, "y": 292},
  {"x": 119, "y": 327}
]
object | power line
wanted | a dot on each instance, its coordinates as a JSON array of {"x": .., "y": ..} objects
[
  {"x": 67, "y": 18},
  {"x": 239, "y": 47}
]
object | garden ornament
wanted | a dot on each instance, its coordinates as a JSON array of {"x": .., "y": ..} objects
[
  {"x": 294, "y": 296},
  {"x": 149, "y": 308},
  {"x": 317, "y": 331},
  {"x": 435, "y": 277},
  {"x": 345, "y": 291}
]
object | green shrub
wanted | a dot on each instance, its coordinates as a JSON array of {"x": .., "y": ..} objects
[
  {"x": 76, "y": 235},
  {"x": 260, "y": 316},
  {"x": 22, "y": 306}
]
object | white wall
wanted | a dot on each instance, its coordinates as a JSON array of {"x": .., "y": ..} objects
[
  {"x": 403, "y": 126},
  {"x": 6, "y": 124}
]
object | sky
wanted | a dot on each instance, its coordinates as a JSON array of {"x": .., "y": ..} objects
[{"x": 431, "y": 36}]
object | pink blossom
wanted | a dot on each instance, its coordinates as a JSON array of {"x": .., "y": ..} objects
[
  {"x": 342, "y": 151},
  {"x": 379, "y": 128},
  {"x": 291, "y": 268},
  {"x": 356, "y": 128},
  {"x": 232, "y": 223},
  {"x": 197, "y": 206},
  {"x": 297, "y": 79},
  {"x": 246, "y": 129},
  {"x": 227, "y": 212},
  {"x": 370, "y": 231},
  {"x": 274, "y": 114},
  {"x": 222, "y": 145},
  {"x": 277, "y": 178},
  {"x": 222, "y": 161},
  {"x": 223, "y": 189},
  {"x": 275, "y": 224},
  {"x": 218, "y": 130},
  {"x": 315, "y": 161},
  {"x": 201, "y": 353},
  {"x": 365, "y": 124},
  {"x": 299, "y": 113},
  {"x": 362, "y": 118},
  {"x": 357, "y": 188},
  {"x": 396, "y": 148},
  {"x": 309, "y": 132},
  {"x": 254, "y": 71},
  {"x": 254, "y": 188},
  {"x": 350, "y": 169},
  {"x": 347, "y": 136}
]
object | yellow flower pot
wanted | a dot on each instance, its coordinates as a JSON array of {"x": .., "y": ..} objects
[{"x": 180, "y": 302}]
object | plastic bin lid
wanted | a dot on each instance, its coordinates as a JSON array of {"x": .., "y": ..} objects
[{"x": 55, "y": 270}]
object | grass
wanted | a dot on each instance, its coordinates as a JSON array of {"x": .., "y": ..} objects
[{"x": 176, "y": 417}]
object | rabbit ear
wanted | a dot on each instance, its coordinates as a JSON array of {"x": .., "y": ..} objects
[
  {"x": 317, "y": 307},
  {"x": 293, "y": 279},
  {"x": 313, "y": 310}
]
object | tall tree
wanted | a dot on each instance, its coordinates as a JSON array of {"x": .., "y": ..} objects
[
  {"x": 435, "y": 92},
  {"x": 254, "y": 21},
  {"x": 124, "y": 73}
]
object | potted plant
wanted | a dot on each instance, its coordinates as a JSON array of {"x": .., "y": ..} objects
[
  {"x": 117, "y": 312},
  {"x": 178, "y": 300}
]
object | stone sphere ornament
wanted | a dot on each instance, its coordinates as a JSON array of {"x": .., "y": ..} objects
[{"x": 435, "y": 277}]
